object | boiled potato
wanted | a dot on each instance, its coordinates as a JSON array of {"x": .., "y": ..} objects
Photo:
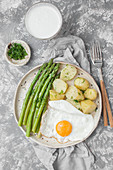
[
  {"x": 68, "y": 73},
  {"x": 74, "y": 94},
  {"x": 60, "y": 86},
  {"x": 56, "y": 96},
  {"x": 75, "y": 103},
  {"x": 90, "y": 94},
  {"x": 88, "y": 106},
  {"x": 81, "y": 83}
]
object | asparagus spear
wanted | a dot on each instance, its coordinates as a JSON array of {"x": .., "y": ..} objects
[
  {"x": 27, "y": 109},
  {"x": 28, "y": 94},
  {"x": 38, "y": 127},
  {"x": 57, "y": 76},
  {"x": 35, "y": 89},
  {"x": 37, "y": 107}
]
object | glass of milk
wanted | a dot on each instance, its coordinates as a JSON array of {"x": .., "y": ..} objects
[{"x": 43, "y": 20}]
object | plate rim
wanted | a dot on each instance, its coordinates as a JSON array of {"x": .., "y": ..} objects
[{"x": 62, "y": 146}]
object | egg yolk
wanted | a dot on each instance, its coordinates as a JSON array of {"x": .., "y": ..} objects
[{"x": 64, "y": 128}]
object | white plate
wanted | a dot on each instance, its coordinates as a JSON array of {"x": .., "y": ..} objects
[
  {"x": 20, "y": 94},
  {"x": 18, "y": 62}
]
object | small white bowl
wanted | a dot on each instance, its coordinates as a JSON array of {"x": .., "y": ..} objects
[{"x": 18, "y": 62}]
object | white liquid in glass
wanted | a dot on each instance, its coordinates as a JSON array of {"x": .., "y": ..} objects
[{"x": 43, "y": 20}]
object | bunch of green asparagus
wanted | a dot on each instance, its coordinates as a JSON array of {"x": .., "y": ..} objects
[{"x": 36, "y": 99}]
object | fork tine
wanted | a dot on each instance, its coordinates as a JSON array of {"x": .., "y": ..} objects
[
  {"x": 100, "y": 52},
  {"x": 95, "y": 51},
  {"x": 92, "y": 52}
]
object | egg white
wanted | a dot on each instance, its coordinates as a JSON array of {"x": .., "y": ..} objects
[{"x": 57, "y": 111}]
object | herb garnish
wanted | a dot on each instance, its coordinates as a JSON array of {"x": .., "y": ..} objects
[
  {"x": 76, "y": 101},
  {"x": 96, "y": 109},
  {"x": 83, "y": 81},
  {"x": 82, "y": 91},
  {"x": 61, "y": 92},
  {"x": 16, "y": 51},
  {"x": 71, "y": 97}
]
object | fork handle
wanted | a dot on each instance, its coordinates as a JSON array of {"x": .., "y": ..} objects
[
  {"x": 103, "y": 103},
  {"x": 108, "y": 107}
]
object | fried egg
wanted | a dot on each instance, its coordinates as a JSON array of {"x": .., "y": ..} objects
[{"x": 65, "y": 123}]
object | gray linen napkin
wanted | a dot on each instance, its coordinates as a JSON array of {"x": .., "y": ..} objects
[{"x": 69, "y": 49}]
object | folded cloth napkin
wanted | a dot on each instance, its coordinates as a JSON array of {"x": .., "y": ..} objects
[{"x": 69, "y": 49}]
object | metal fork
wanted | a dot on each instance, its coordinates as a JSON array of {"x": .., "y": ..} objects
[{"x": 96, "y": 56}]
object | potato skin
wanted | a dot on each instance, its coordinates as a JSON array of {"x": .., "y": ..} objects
[
  {"x": 88, "y": 106},
  {"x": 56, "y": 96},
  {"x": 81, "y": 83},
  {"x": 68, "y": 73},
  {"x": 90, "y": 94},
  {"x": 60, "y": 86},
  {"x": 75, "y": 103},
  {"x": 74, "y": 94}
]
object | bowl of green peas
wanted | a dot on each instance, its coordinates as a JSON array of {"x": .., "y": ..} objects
[{"x": 17, "y": 53}]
